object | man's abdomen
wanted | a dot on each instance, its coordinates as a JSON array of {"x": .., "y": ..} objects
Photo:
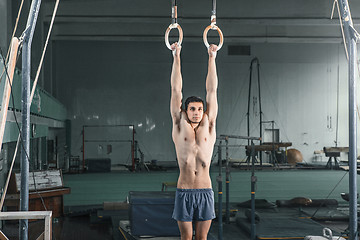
[{"x": 194, "y": 180}]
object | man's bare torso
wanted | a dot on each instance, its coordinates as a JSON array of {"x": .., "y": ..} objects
[{"x": 194, "y": 149}]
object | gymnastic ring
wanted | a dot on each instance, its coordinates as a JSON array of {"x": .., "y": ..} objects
[
  {"x": 213, "y": 27},
  {"x": 171, "y": 26}
]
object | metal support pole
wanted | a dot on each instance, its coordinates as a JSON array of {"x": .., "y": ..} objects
[
  {"x": 352, "y": 142},
  {"x": 248, "y": 108},
  {"x": 258, "y": 72},
  {"x": 227, "y": 215},
  {"x": 133, "y": 148},
  {"x": 219, "y": 180},
  {"x": 83, "y": 148},
  {"x": 136, "y": 149},
  {"x": 249, "y": 99},
  {"x": 253, "y": 182},
  {"x": 25, "y": 114},
  {"x": 273, "y": 156},
  {"x": 222, "y": 136},
  {"x": 350, "y": 35}
]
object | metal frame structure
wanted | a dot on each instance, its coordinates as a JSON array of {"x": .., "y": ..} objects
[
  {"x": 25, "y": 113},
  {"x": 47, "y": 215},
  {"x": 351, "y": 37},
  {"x": 219, "y": 180},
  {"x": 272, "y": 157},
  {"x": 249, "y": 96},
  {"x": 132, "y": 141}
]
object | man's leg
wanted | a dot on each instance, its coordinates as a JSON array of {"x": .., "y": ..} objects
[
  {"x": 186, "y": 230},
  {"x": 201, "y": 229}
]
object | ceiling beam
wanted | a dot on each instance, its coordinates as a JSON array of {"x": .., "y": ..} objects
[
  {"x": 228, "y": 39},
  {"x": 237, "y": 21}
]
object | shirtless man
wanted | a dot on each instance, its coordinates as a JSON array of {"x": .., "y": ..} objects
[{"x": 194, "y": 137}]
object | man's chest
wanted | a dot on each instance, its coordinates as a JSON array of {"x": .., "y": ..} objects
[{"x": 196, "y": 141}]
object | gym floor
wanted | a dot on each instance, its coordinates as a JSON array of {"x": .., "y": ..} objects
[
  {"x": 272, "y": 185},
  {"x": 90, "y": 190}
]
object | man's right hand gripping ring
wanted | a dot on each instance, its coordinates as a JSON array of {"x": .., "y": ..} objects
[
  {"x": 171, "y": 26},
  {"x": 213, "y": 27}
]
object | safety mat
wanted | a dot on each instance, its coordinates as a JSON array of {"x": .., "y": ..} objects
[
  {"x": 283, "y": 228},
  {"x": 325, "y": 214}
]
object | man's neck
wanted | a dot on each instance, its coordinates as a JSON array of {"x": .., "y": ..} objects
[{"x": 194, "y": 125}]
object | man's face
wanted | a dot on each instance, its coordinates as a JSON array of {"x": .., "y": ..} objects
[{"x": 195, "y": 112}]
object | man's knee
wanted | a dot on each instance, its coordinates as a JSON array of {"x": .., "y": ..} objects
[
  {"x": 200, "y": 236},
  {"x": 186, "y": 236},
  {"x": 186, "y": 233},
  {"x": 201, "y": 233}
]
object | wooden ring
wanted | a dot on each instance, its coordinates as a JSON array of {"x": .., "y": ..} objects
[
  {"x": 172, "y": 26},
  {"x": 213, "y": 27}
]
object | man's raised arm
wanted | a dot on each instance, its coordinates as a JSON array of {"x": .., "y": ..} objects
[
  {"x": 211, "y": 86},
  {"x": 176, "y": 85}
]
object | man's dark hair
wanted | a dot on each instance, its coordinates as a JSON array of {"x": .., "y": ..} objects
[{"x": 192, "y": 99}]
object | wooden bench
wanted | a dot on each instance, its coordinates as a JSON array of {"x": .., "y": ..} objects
[{"x": 43, "y": 185}]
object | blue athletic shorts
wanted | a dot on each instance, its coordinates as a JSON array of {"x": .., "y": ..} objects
[{"x": 194, "y": 205}]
